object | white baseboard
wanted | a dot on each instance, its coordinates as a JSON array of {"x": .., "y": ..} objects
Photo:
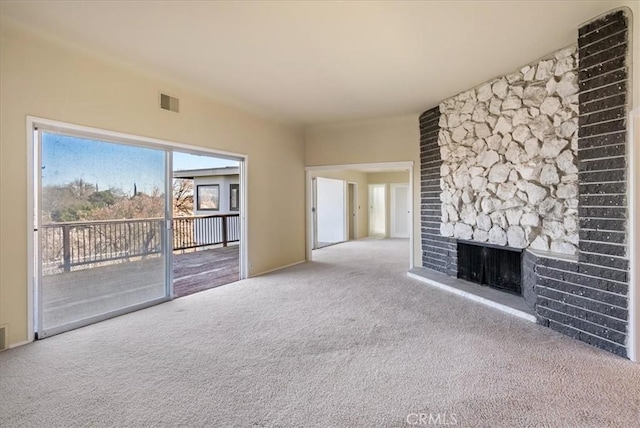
[{"x": 475, "y": 298}]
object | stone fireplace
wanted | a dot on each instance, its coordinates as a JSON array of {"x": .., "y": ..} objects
[
  {"x": 535, "y": 163},
  {"x": 508, "y": 150}
]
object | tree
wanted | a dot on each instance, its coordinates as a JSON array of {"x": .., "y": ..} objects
[
  {"x": 182, "y": 197},
  {"x": 138, "y": 206},
  {"x": 79, "y": 201},
  {"x": 102, "y": 198},
  {"x": 81, "y": 189},
  {"x": 68, "y": 202}
]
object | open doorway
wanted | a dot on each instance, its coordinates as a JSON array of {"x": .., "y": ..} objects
[
  {"x": 366, "y": 213},
  {"x": 206, "y": 222}
]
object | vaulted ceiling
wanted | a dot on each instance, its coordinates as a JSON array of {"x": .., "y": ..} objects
[{"x": 315, "y": 62}]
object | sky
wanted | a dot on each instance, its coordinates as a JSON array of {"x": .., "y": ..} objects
[
  {"x": 110, "y": 165},
  {"x": 182, "y": 161}
]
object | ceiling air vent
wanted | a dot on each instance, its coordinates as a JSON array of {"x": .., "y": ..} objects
[{"x": 167, "y": 102}]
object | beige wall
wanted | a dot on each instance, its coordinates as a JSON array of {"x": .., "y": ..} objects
[
  {"x": 635, "y": 243},
  {"x": 388, "y": 177},
  {"x": 390, "y": 139},
  {"x": 44, "y": 79},
  {"x": 360, "y": 178},
  {"x": 635, "y": 88}
]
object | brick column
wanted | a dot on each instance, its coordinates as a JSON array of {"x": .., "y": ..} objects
[
  {"x": 438, "y": 253},
  {"x": 588, "y": 299},
  {"x": 602, "y": 149}
]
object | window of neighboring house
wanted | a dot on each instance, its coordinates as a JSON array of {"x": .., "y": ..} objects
[
  {"x": 208, "y": 197},
  {"x": 234, "y": 197}
]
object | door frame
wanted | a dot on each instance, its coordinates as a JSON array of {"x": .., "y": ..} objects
[
  {"x": 314, "y": 213},
  {"x": 393, "y": 216},
  {"x": 406, "y": 165},
  {"x": 33, "y": 122},
  {"x": 352, "y": 221}
]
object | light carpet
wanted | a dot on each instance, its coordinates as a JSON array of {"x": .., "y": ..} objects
[{"x": 345, "y": 341}]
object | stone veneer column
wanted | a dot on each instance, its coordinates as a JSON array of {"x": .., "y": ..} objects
[
  {"x": 438, "y": 252},
  {"x": 588, "y": 300}
]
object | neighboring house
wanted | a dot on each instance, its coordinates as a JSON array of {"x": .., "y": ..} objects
[{"x": 215, "y": 190}]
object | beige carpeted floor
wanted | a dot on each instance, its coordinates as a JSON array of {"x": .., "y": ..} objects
[{"x": 345, "y": 341}]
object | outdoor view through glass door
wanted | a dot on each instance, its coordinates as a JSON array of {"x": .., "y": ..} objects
[
  {"x": 206, "y": 222},
  {"x": 377, "y": 210},
  {"x": 102, "y": 230}
]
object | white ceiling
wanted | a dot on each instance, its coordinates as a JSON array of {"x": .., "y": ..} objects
[{"x": 315, "y": 62}]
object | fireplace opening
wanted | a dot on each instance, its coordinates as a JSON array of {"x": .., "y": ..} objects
[{"x": 497, "y": 267}]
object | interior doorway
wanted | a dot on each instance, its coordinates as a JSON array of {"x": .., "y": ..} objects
[
  {"x": 377, "y": 210},
  {"x": 374, "y": 178}
]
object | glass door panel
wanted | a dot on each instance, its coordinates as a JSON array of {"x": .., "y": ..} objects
[
  {"x": 377, "y": 210},
  {"x": 103, "y": 247}
]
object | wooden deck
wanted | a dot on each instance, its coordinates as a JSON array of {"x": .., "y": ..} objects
[
  {"x": 202, "y": 270},
  {"x": 80, "y": 294}
]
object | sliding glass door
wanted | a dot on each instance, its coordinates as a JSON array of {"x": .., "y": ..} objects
[{"x": 102, "y": 229}]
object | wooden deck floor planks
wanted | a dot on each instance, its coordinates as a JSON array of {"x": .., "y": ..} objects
[
  {"x": 202, "y": 270},
  {"x": 80, "y": 294}
]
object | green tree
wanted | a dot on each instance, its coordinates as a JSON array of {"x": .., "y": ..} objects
[{"x": 102, "y": 198}]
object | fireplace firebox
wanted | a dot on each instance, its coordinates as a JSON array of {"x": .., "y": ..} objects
[{"x": 496, "y": 267}]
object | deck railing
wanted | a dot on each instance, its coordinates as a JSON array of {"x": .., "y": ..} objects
[
  {"x": 70, "y": 244},
  {"x": 193, "y": 232}
]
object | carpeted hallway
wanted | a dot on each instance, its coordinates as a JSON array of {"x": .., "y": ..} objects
[{"x": 345, "y": 341}]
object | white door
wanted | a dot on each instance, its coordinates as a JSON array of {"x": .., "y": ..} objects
[
  {"x": 400, "y": 214},
  {"x": 330, "y": 211}
]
